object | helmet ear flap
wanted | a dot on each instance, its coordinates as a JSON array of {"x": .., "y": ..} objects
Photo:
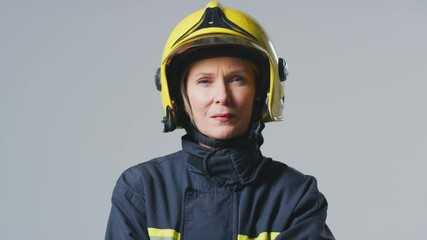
[
  {"x": 169, "y": 121},
  {"x": 283, "y": 70},
  {"x": 157, "y": 80}
]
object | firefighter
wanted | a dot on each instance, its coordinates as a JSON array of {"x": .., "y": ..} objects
[{"x": 220, "y": 80}]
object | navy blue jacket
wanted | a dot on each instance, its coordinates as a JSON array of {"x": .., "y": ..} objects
[{"x": 199, "y": 193}]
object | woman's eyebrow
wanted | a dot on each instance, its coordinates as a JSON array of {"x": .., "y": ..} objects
[
  {"x": 199, "y": 75},
  {"x": 208, "y": 73}
]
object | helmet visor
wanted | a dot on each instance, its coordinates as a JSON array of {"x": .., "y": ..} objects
[{"x": 215, "y": 41}]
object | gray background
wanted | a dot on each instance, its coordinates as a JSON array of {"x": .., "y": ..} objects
[{"x": 78, "y": 106}]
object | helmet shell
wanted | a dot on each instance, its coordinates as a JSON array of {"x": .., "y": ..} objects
[{"x": 215, "y": 26}]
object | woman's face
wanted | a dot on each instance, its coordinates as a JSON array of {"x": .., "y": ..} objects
[{"x": 221, "y": 93}]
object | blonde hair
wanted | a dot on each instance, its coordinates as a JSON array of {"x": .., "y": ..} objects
[{"x": 184, "y": 95}]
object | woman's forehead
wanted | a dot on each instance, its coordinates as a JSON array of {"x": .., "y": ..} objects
[{"x": 221, "y": 63}]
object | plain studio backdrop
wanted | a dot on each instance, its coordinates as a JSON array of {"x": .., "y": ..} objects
[{"x": 78, "y": 105}]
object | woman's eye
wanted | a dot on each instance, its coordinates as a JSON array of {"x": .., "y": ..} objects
[
  {"x": 237, "y": 79},
  {"x": 203, "y": 81}
]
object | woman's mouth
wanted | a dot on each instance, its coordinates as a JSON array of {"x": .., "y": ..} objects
[{"x": 223, "y": 117}]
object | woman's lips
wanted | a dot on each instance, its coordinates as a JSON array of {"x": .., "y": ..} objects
[{"x": 223, "y": 117}]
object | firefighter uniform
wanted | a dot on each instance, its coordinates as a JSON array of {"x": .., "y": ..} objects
[{"x": 231, "y": 193}]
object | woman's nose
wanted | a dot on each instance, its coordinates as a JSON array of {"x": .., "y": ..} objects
[{"x": 222, "y": 92}]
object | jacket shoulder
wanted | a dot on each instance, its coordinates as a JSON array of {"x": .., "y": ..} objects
[
  {"x": 283, "y": 176},
  {"x": 157, "y": 169},
  {"x": 283, "y": 170}
]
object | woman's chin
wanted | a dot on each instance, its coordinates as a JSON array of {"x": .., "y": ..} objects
[{"x": 223, "y": 134}]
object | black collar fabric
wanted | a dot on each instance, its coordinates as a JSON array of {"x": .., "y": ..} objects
[
  {"x": 253, "y": 135},
  {"x": 228, "y": 166}
]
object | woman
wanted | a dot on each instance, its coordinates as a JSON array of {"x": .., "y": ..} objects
[{"x": 220, "y": 80}]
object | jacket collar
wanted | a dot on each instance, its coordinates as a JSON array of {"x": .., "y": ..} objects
[{"x": 239, "y": 165}]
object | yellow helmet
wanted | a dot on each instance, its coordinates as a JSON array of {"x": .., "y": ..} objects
[{"x": 229, "y": 32}]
